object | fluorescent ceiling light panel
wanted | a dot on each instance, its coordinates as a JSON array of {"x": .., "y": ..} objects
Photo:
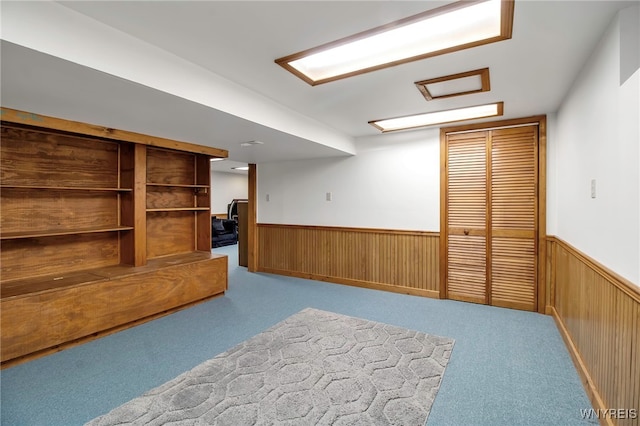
[
  {"x": 243, "y": 168},
  {"x": 449, "y": 28},
  {"x": 438, "y": 117},
  {"x": 455, "y": 85}
]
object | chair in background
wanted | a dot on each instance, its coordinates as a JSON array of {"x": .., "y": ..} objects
[{"x": 224, "y": 232}]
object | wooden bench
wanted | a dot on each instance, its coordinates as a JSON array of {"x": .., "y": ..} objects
[{"x": 51, "y": 313}]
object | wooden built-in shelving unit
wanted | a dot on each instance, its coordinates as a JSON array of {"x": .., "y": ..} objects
[{"x": 98, "y": 232}]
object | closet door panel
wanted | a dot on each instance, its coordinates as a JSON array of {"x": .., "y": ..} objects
[
  {"x": 467, "y": 217},
  {"x": 513, "y": 217}
]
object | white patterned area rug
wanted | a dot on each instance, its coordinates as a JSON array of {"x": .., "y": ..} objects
[{"x": 314, "y": 368}]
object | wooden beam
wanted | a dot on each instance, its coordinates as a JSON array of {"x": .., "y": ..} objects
[
  {"x": 31, "y": 119},
  {"x": 252, "y": 231}
]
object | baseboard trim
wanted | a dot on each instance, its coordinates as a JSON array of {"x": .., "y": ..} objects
[
  {"x": 583, "y": 372},
  {"x": 355, "y": 283}
]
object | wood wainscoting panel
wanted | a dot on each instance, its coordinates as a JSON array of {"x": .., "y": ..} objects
[
  {"x": 398, "y": 261},
  {"x": 598, "y": 314}
]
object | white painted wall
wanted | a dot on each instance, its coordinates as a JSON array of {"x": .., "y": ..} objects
[
  {"x": 225, "y": 187},
  {"x": 393, "y": 183},
  {"x": 597, "y": 137}
]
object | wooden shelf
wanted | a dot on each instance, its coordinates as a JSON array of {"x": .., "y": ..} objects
[
  {"x": 180, "y": 209},
  {"x": 52, "y": 233},
  {"x": 64, "y": 198},
  {"x": 65, "y": 188},
  {"x": 176, "y": 185}
]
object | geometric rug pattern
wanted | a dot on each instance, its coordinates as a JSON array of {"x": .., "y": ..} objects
[{"x": 313, "y": 368}]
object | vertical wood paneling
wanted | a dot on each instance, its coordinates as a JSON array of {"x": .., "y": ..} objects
[
  {"x": 400, "y": 261},
  {"x": 599, "y": 316}
]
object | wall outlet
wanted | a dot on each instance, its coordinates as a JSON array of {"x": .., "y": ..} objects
[
  {"x": 593, "y": 188},
  {"x": 329, "y": 196}
]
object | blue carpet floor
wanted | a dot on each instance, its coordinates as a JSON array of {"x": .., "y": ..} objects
[{"x": 507, "y": 368}]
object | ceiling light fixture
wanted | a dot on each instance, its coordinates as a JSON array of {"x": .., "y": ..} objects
[
  {"x": 456, "y": 26},
  {"x": 243, "y": 168},
  {"x": 251, "y": 143},
  {"x": 438, "y": 117},
  {"x": 217, "y": 159},
  {"x": 464, "y": 83}
]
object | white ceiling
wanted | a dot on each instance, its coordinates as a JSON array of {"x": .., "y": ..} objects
[{"x": 238, "y": 41}]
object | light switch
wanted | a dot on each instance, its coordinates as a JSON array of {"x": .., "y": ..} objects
[
  {"x": 593, "y": 188},
  {"x": 329, "y": 196},
  {"x": 268, "y": 198}
]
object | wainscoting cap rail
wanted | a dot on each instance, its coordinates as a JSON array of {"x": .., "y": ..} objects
[
  {"x": 622, "y": 283},
  {"x": 351, "y": 229}
]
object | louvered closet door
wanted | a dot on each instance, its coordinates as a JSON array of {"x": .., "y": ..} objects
[
  {"x": 513, "y": 217},
  {"x": 491, "y": 216},
  {"x": 467, "y": 217}
]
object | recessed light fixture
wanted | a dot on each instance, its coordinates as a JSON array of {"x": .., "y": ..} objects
[
  {"x": 438, "y": 117},
  {"x": 251, "y": 143},
  {"x": 464, "y": 83},
  {"x": 456, "y": 26},
  {"x": 243, "y": 168},
  {"x": 217, "y": 159}
]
